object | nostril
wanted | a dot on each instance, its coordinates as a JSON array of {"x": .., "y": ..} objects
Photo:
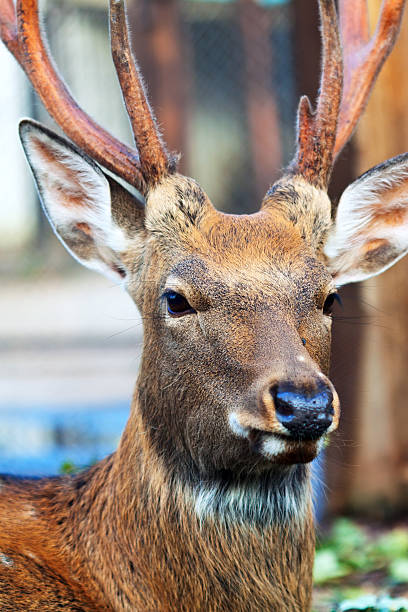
[{"x": 283, "y": 406}]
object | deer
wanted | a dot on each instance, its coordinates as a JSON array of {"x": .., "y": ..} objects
[{"x": 206, "y": 503}]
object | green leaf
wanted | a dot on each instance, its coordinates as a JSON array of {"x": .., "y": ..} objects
[
  {"x": 327, "y": 567},
  {"x": 392, "y": 544},
  {"x": 68, "y": 467},
  {"x": 347, "y": 536},
  {"x": 398, "y": 570}
]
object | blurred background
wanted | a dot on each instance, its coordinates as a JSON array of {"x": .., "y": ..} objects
[{"x": 224, "y": 78}]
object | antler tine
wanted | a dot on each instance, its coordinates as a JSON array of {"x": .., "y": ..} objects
[
  {"x": 363, "y": 57},
  {"x": 154, "y": 158},
  {"x": 8, "y": 28},
  {"x": 21, "y": 32},
  {"x": 317, "y": 130}
]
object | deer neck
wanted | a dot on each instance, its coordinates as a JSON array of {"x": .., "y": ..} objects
[{"x": 175, "y": 536}]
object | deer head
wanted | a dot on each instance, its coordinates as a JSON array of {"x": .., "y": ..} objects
[{"x": 236, "y": 309}]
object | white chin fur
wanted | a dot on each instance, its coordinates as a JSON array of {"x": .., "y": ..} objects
[{"x": 271, "y": 446}]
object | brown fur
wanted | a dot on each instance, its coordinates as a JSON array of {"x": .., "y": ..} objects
[
  {"x": 127, "y": 534},
  {"x": 144, "y": 550}
]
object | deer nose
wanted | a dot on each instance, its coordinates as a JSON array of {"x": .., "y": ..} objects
[{"x": 304, "y": 413}]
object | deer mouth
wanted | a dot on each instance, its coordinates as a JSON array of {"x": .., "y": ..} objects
[
  {"x": 283, "y": 449},
  {"x": 279, "y": 446}
]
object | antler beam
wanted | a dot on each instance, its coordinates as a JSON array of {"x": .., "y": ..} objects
[
  {"x": 76, "y": 124},
  {"x": 20, "y": 30}
]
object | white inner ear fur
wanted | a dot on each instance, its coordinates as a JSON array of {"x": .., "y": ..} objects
[
  {"x": 75, "y": 194},
  {"x": 372, "y": 211}
]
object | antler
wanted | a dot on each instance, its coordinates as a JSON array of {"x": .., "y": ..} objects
[
  {"x": 8, "y": 28},
  {"x": 155, "y": 160},
  {"x": 323, "y": 134},
  {"x": 317, "y": 130},
  {"x": 363, "y": 57},
  {"x": 20, "y": 31}
]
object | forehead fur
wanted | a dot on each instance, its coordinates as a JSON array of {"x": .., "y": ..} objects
[
  {"x": 305, "y": 206},
  {"x": 181, "y": 219},
  {"x": 294, "y": 216},
  {"x": 174, "y": 207},
  {"x": 178, "y": 211}
]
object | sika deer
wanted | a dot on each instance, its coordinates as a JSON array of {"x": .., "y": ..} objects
[{"x": 206, "y": 504}]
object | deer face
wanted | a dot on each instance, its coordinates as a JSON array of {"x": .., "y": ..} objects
[{"x": 236, "y": 310}]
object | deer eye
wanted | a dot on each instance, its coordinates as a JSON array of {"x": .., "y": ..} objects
[
  {"x": 329, "y": 303},
  {"x": 177, "y": 305}
]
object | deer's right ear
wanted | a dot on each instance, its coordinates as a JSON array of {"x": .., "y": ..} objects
[
  {"x": 370, "y": 232},
  {"x": 80, "y": 201}
]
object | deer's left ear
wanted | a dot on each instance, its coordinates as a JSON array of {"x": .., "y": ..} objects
[
  {"x": 92, "y": 215},
  {"x": 370, "y": 232}
]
